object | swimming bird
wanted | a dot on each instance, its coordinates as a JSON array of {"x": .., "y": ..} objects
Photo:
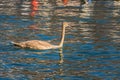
[{"x": 42, "y": 45}]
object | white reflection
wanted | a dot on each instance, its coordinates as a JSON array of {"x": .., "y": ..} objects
[{"x": 61, "y": 56}]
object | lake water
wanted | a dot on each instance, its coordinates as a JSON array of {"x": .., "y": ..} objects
[{"x": 92, "y": 43}]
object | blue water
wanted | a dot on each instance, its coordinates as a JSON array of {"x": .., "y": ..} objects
[{"x": 91, "y": 49}]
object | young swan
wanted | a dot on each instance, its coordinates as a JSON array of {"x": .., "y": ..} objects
[{"x": 42, "y": 45}]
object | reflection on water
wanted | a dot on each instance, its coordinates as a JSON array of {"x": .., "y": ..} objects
[{"x": 92, "y": 44}]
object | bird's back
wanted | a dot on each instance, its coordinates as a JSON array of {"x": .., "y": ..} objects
[{"x": 35, "y": 44}]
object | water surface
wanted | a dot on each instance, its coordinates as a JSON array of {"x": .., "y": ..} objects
[{"x": 91, "y": 49}]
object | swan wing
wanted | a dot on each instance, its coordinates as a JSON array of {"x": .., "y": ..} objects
[{"x": 35, "y": 44}]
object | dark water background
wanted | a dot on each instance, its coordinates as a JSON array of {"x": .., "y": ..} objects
[{"x": 92, "y": 44}]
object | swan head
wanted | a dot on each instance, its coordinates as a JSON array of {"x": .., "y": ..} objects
[{"x": 65, "y": 24}]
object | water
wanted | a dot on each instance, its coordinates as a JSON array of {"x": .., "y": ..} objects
[{"x": 92, "y": 44}]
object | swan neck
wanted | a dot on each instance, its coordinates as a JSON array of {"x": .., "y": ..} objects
[{"x": 62, "y": 37}]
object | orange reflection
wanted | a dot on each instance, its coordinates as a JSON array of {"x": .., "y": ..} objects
[
  {"x": 34, "y": 7},
  {"x": 34, "y": 3},
  {"x": 65, "y": 2}
]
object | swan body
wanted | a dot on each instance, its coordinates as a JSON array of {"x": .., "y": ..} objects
[
  {"x": 42, "y": 45},
  {"x": 36, "y": 44}
]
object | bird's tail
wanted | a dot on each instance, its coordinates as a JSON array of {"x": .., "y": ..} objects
[{"x": 15, "y": 43}]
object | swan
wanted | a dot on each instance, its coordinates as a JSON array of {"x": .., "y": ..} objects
[{"x": 42, "y": 45}]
